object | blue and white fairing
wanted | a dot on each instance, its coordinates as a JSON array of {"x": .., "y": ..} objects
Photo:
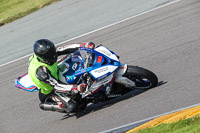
[{"x": 99, "y": 62}]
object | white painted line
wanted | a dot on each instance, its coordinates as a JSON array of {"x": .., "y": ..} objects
[
  {"x": 147, "y": 119},
  {"x": 121, "y": 21},
  {"x": 99, "y": 29},
  {"x": 16, "y": 60}
]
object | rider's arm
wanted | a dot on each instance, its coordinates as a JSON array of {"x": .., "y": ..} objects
[
  {"x": 73, "y": 47},
  {"x": 44, "y": 75},
  {"x": 67, "y": 49}
]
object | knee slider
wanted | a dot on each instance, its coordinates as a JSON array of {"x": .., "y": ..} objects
[{"x": 71, "y": 106}]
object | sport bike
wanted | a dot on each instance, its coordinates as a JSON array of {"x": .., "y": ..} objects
[{"x": 101, "y": 70}]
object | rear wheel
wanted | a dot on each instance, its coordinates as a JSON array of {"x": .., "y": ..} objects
[{"x": 143, "y": 78}]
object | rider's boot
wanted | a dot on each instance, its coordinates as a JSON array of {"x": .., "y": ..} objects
[{"x": 70, "y": 106}]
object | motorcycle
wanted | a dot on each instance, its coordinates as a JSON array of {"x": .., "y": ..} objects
[{"x": 101, "y": 70}]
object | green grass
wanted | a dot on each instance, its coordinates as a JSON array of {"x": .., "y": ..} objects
[
  {"x": 11, "y": 10},
  {"x": 191, "y": 125}
]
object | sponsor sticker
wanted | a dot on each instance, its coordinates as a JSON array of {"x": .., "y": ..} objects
[{"x": 101, "y": 70}]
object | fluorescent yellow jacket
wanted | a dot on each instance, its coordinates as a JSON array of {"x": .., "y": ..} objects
[{"x": 34, "y": 64}]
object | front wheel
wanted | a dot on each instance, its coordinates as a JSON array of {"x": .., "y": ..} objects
[{"x": 143, "y": 78}]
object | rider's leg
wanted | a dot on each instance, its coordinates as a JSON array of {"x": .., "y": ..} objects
[
  {"x": 47, "y": 102},
  {"x": 68, "y": 104},
  {"x": 44, "y": 98}
]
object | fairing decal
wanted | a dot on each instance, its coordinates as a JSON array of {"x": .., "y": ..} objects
[
  {"x": 106, "y": 52},
  {"x": 103, "y": 70}
]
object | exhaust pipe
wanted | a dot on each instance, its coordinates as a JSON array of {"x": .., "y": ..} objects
[{"x": 47, "y": 106}]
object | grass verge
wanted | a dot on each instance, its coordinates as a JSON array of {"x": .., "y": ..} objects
[
  {"x": 11, "y": 10},
  {"x": 191, "y": 125}
]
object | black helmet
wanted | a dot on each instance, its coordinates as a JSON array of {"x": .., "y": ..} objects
[{"x": 45, "y": 51}]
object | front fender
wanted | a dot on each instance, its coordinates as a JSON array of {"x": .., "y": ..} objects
[
  {"x": 120, "y": 70},
  {"x": 123, "y": 80}
]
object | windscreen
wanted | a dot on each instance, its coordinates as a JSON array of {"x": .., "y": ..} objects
[{"x": 84, "y": 57}]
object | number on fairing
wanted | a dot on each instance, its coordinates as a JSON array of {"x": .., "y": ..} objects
[{"x": 74, "y": 66}]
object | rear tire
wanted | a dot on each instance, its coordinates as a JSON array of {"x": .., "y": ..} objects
[{"x": 143, "y": 78}]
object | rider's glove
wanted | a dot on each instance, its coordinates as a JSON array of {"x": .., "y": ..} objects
[
  {"x": 78, "y": 88},
  {"x": 88, "y": 45}
]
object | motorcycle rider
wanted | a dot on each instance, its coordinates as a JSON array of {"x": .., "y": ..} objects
[{"x": 43, "y": 71}]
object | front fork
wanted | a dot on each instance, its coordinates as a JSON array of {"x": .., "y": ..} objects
[{"x": 126, "y": 82}]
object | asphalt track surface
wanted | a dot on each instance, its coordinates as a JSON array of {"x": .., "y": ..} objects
[
  {"x": 165, "y": 41},
  {"x": 64, "y": 20}
]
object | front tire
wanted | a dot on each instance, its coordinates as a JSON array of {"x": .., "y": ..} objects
[{"x": 143, "y": 78}]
